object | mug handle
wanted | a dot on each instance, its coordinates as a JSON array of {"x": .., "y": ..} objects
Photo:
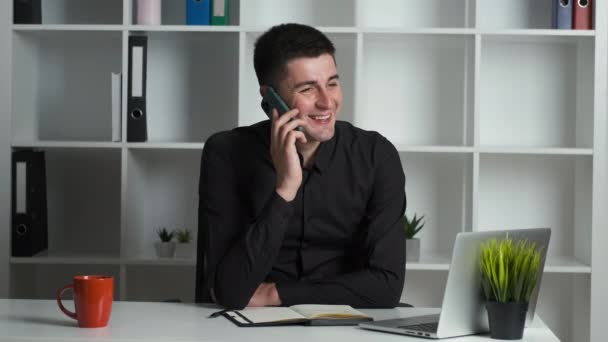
[{"x": 65, "y": 311}]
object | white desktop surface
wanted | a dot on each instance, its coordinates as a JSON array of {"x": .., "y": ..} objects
[{"x": 40, "y": 320}]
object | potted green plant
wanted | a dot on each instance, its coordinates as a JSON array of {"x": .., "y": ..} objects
[
  {"x": 165, "y": 248},
  {"x": 183, "y": 249},
  {"x": 509, "y": 273},
  {"x": 412, "y": 244}
]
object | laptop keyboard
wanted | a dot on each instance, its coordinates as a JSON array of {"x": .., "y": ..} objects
[{"x": 426, "y": 327}]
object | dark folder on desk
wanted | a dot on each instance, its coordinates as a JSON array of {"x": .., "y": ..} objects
[
  {"x": 29, "y": 234},
  {"x": 27, "y": 12},
  {"x": 136, "y": 101}
]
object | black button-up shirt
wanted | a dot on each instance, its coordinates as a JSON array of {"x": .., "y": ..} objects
[{"x": 340, "y": 241}]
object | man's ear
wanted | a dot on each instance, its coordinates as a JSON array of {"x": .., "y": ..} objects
[{"x": 263, "y": 90}]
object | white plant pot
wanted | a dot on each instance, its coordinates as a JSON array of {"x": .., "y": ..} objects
[
  {"x": 184, "y": 250},
  {"x": 412, "y": 249},
  {"x": 165, "y": 249}
]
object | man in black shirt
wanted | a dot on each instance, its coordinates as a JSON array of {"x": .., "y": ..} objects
[{"x": 312, "y": 216}]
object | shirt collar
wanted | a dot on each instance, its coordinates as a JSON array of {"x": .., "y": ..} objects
[
  {"x": 323, "y": 155},
  {"x": 326, "y": 152}
]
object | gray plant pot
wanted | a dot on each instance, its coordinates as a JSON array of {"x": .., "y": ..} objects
[
  {"x": 165, "y": 249},
  {"x": 507, "y": 320},
  {"x": 412, "y": 249},
  {"x": 184, "y": 250}
]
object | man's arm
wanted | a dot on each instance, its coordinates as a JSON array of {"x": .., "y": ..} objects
[
  {"x": 380, "y": 282},
  {"x": 239, "y": 253}
]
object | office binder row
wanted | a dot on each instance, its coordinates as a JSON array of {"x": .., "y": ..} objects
[
  {"x": 573, "y": 14},
  {"x": 207, "y": 12},
  {"x": 198, "y": 12}
]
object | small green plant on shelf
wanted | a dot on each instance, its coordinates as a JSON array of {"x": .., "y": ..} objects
[
  {"x": 509, "y": 270},
  {"x": 164, "y": 235},
  {"x": 413, "y": 226},
  {"x": 183, "y": 235}
]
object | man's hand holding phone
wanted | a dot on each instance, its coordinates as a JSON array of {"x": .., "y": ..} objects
[{"x": 284, "y": 154}]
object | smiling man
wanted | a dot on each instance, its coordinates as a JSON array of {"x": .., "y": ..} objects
[{"x": 291, "y": 216}]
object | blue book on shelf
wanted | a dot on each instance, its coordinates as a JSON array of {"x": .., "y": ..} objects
[
  {"x": 198, "y": 12},
  {"x": 562, "y": 14}
]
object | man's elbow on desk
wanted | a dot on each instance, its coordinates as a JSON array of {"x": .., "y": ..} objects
[{"x": 231, "y": 300}]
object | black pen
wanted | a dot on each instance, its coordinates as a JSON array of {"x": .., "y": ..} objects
[{"x": 218, "y": 313}]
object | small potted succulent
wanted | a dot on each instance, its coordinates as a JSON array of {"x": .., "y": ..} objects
[
  {"x": 509, "y": 274},
  {"x": 165, "y": 248},
  {"x": 412, "y": 244},
  {"x": 184, "y": 248}
]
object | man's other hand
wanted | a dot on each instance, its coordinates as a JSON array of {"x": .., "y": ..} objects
[{"x": 265, "y": 295}]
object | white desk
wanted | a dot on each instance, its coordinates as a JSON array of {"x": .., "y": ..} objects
[{"x": 41, "y": 320}]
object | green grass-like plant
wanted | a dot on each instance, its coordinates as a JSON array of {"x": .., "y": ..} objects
[
  {"x": 183, "y": 235},
  {"x": 509, "y": 269},
  {"x": 413, "y": 227},
  {"x": 164, "y": 235}
]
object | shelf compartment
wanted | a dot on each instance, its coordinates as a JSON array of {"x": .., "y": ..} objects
[
  {"x": 66, "y": 144},
  {"x": 174, "y": 12},
  {"x": 529, "y": 191},
  {"x": 167, "y": 146},
  {"x": 532, "y": 150},
  {"x": 57, "y": 94},
  {"x": 43, "y": 281},
  {"x": 67, "y": 27},
  {"x": 149, "y": 258},
  {"x": 438, "y": 186},
  {"x": 425, "y": 98},
  {"x": 554, "y": 264},
  {"x": 312, "y": 12},
  {"x": 430, "y": 262},
  {"x": 170, "y": 282},
  {"x": 536, "y": 35},
  {"x": 515, "y": 14},
  {"x": 415, "y": 14},
  {"x": 83, "y": 201},
  {"x": 97, "y": 12},
  {"x": 563, "y": 304},
  {"x": 191, "y": 89},
  {"x": 537, "y": 94},
  {"x": 434, "y": 149},
  {"x": 426, "y": 288},
  {"x": 162, "y": 191},
  {"x": 66, "y": 259},
  {"x": 250, "y": 111}
]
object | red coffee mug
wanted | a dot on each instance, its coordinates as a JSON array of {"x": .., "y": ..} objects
[{"x": 93, "y": 297}]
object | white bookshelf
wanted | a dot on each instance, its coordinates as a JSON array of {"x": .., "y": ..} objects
[{"x": 500, "y": 122}]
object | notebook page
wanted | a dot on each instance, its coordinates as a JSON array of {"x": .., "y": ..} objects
[
  {"x": 270, "y": 314},
  {"x": 327, "y": 311}
]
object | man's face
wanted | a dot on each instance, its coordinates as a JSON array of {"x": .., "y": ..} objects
[{"x": 312, "y": 86}]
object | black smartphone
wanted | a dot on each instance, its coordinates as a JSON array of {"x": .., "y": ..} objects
[{"x": 271, "y": 100}]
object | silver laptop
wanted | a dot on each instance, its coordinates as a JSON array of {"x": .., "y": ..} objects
[{"x": 462, "y": 311}]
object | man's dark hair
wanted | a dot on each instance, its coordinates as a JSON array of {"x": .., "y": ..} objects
[{"x": 282, "y": 43}]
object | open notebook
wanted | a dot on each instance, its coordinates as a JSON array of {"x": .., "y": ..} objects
[{"x": 297, "y": 314}]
